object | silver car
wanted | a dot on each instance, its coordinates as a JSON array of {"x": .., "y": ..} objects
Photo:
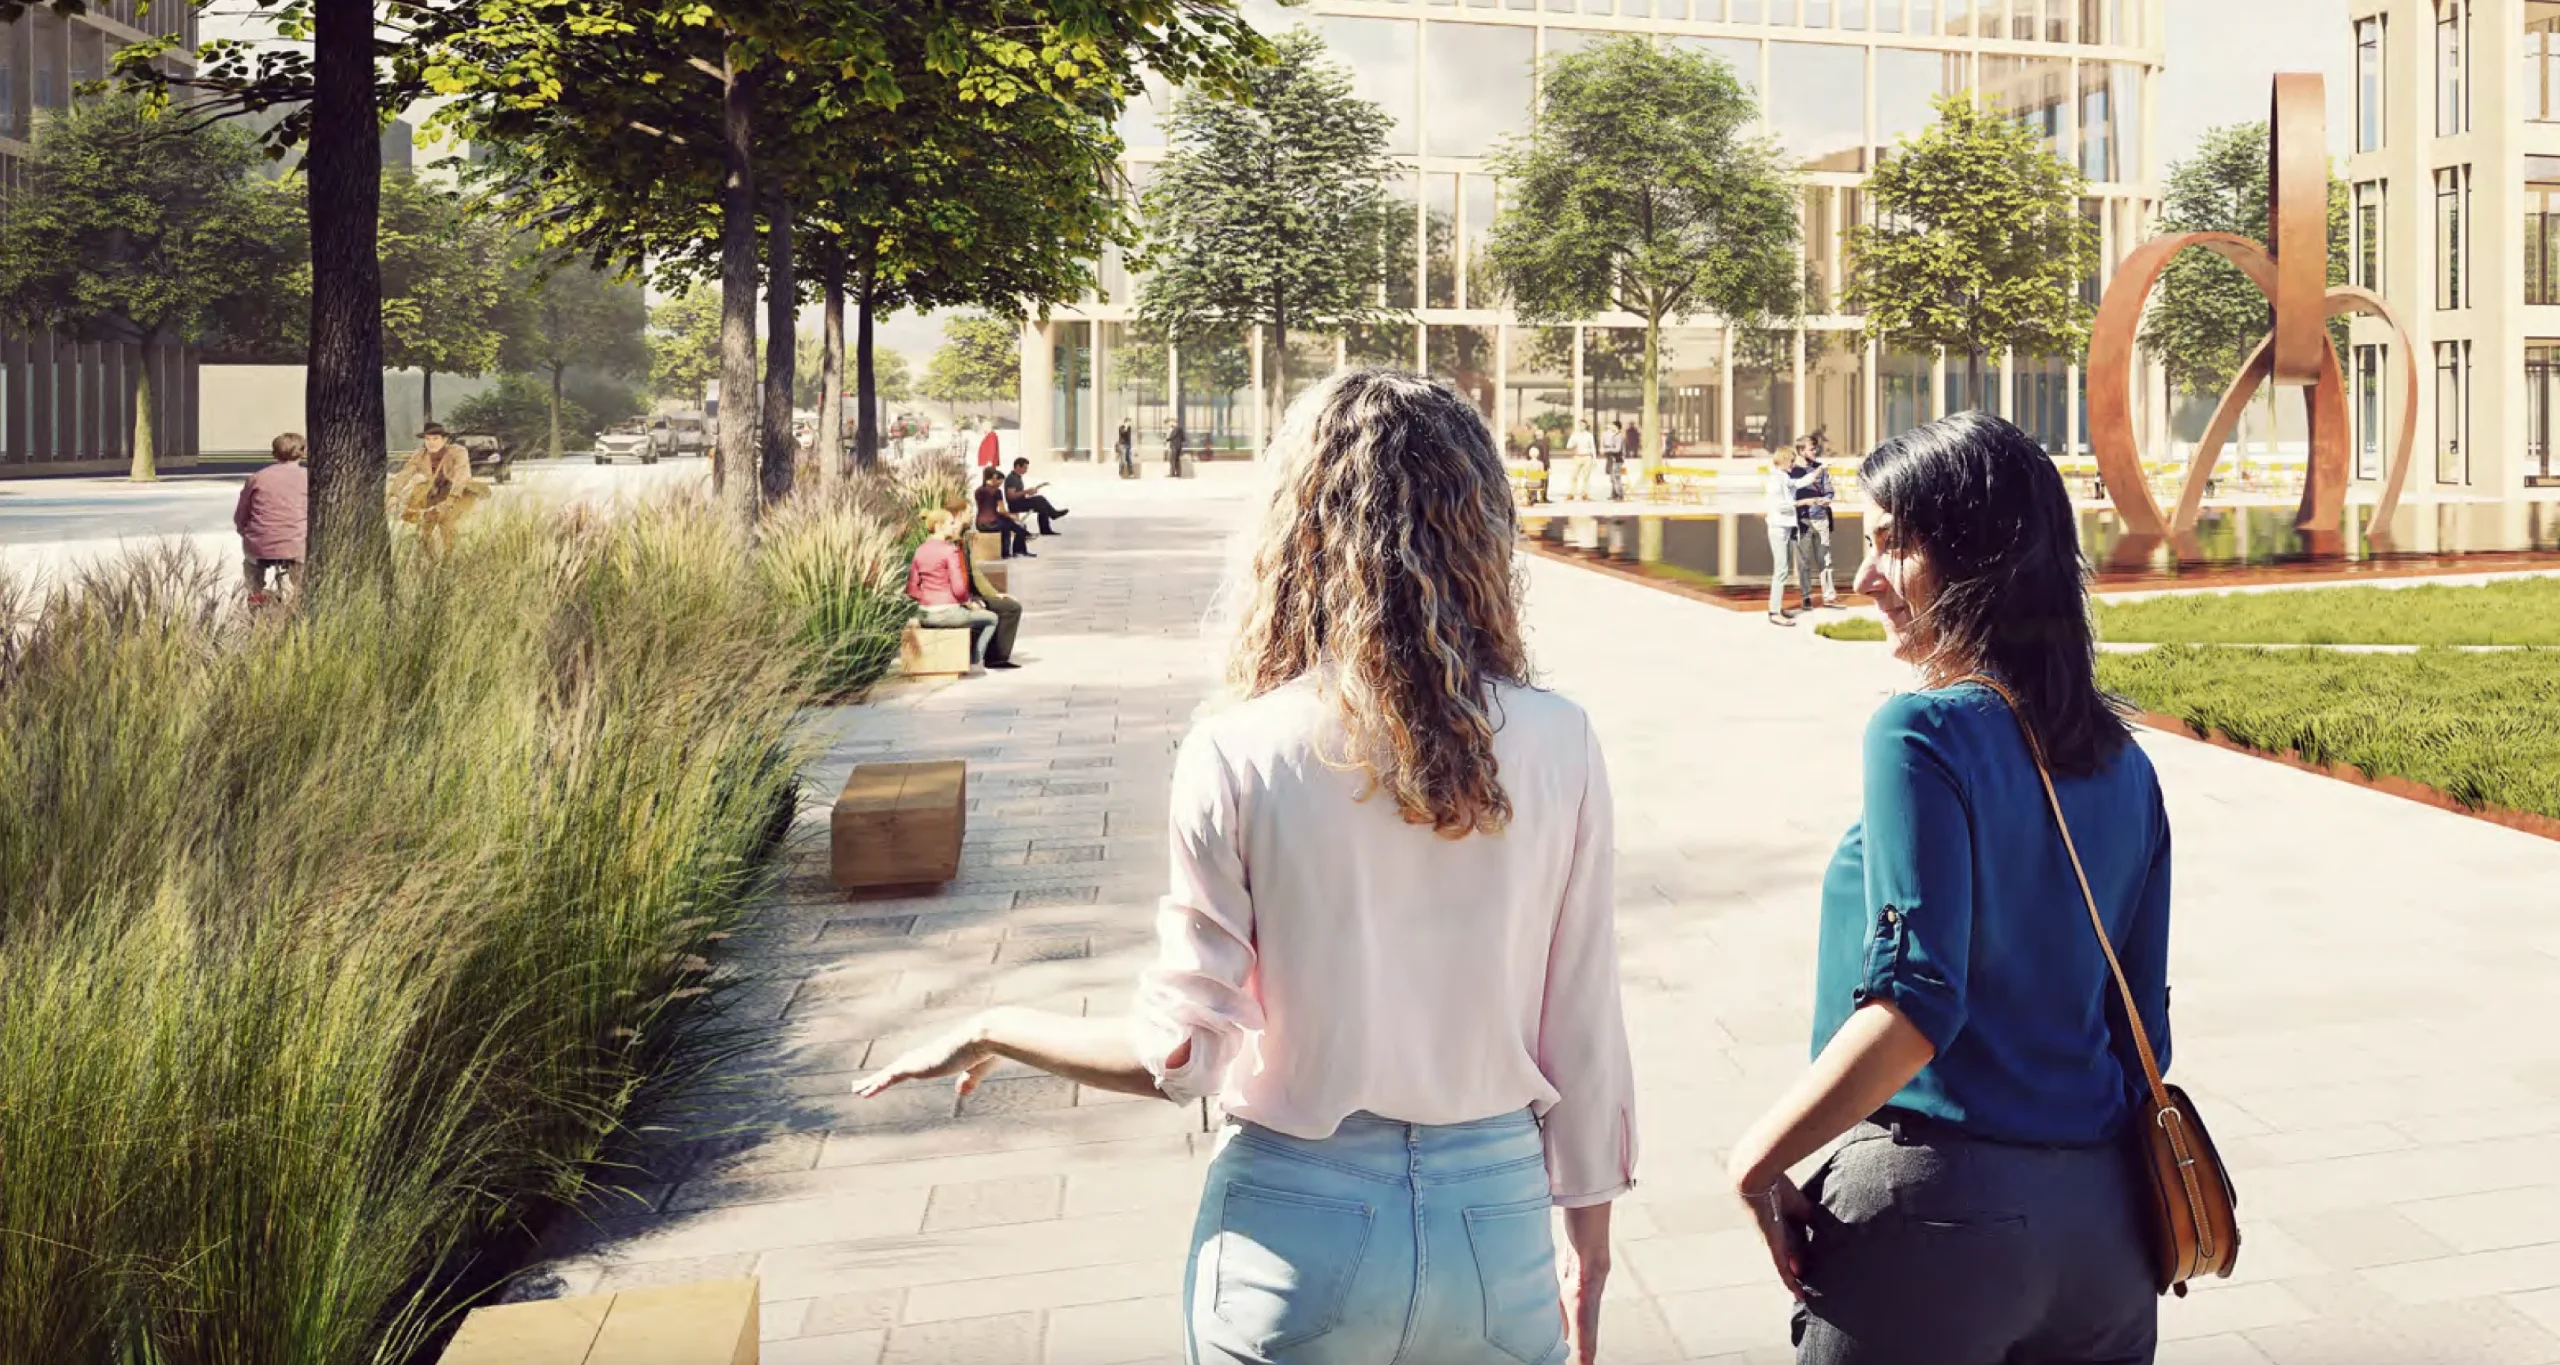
[{"x": 628, "y": 441}]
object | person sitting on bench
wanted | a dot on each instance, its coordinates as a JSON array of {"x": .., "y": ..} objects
[
  {"x": 1024, "y": 498},
  {"x": 1014, "y": 538},
  {"x": 939, "y": 582}
]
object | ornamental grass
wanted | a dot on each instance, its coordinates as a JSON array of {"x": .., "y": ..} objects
[{"x": 336, "y": 943}]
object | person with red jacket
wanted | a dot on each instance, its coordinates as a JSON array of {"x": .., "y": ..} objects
[{"x": 273, "y": 517}]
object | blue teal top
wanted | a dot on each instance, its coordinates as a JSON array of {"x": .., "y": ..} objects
[{"x": 1953, "y": 899}]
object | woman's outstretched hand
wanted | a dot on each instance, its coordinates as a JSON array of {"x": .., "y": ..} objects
[
  {"x": 1781, "y": 1213},
  {"x": 964, "y": 1052}
]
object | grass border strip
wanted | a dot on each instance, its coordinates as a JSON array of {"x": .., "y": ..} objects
[{"x": 2407, "y": 789}]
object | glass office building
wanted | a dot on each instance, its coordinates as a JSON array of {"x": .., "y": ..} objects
[
  {"x": 66, "y": 405},
  {"x": 1839, "y": 82}
]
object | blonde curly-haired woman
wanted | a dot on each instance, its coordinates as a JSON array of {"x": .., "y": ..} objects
[{"x": 1388, "y": 949}]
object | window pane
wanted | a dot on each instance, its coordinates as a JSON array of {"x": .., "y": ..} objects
[
  {"x": 2039, "y": 392},
  {"x": 1481, "y": 289},
  {"x": 1440, "y": 238},
  {"x": 1538, "y": 390},
  {"x": 1384, "y": 343},
  {"x": 1464, "y": 357},
  {"x": 1612, "y": 378},
  {"x": 1134, "y": 372},
  {"x": 2368, "y": 398},
  {"x": 1818, "y": 229},
  {"x": 1142, "y": 123},
  {"x": 1381, "y": 55},
  {"x": 1478, "y": 81},
  {"x": 1906, "y": 80},
  {"x": 2541, "y": 84},
  {"x": 2449, "y": 103},
  {"x": 1835, "y": 366},
  {"x": 1216, "y": 373},
  {"x": 1903, "y": 399},
  {"x": 2542, "y": 229},
  {"x": 2057, "y": 21},
  {"x": 2452, "y": 402},
  {"x": 1692, "y": 393},
  {"x": 1782, "y": 12},
  {"x": 1741, "y": 54},
  {"x": 1889, "y": 16},
  {"x": 1853, "y": 14},
  {"x": 1764, "y": 390},
  {"x": 1817, "y": 103},
  {"x": 2366, "y": 262},
  {"x": 1924, "y": 17},
  {"x": 2093, "y": 23},
  {"x": 1401, "y": 256},
  {"x": 1563, "y": 40},
  {"x": 2369, "y": 85},
  {"x": 2031, "y": 90}
]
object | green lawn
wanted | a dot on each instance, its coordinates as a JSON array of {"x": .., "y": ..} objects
[
  {"x": 2515, "y": 612},
  {"x": 1851, "y": 628},
  {"x": 2482, "y": 728}
]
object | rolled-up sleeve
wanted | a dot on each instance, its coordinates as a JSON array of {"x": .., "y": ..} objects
[
  {"x": 1197, "y": 990},
  {"x": 1919, "y": 855},
  {"x": 1582, "y": 1028}
]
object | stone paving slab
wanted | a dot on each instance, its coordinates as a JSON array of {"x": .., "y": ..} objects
[{"x": 2358, "y": 981}]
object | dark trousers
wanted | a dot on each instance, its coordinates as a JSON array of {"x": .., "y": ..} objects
[
  {"x": 1008, "y": 624},
  {"x": 1013, "y": 537},
  {"x": 1931, "y": 1247},
  {"x": 1040, "y": 507}
]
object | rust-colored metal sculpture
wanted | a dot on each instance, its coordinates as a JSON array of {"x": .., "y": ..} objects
[{"x": 2294, "y": 277}]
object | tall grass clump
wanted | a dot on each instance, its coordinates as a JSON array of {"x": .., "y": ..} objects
[
  {"x": 2483, "y": 728},
  {"x": 835, "y": 564},
  {"x": 334, "y": 943}
]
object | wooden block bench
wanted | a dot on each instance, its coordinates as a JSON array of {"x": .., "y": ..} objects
[
  {"x": 710, "y": 1323},
  {"x": 899, "y": 824},
  {"x": 928, "y": 651},
  {"x": 986, "y": 547}
]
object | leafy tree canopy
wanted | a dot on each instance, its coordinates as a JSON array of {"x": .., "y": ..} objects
[
  {"x": 2205, "y": 316},
  {"x": 979, "y": 361},
  {"x": 1977, "y": 245},
  {"x": 684, "y": 344}
]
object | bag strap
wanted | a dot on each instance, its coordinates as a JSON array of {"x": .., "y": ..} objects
[{"x": 2132, "y": 1015}]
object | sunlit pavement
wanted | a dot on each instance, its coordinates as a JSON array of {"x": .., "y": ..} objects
[{"x": 2360, "y": 988}]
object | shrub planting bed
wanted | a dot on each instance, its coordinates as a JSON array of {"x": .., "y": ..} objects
[{"x": 336, "y": 942}]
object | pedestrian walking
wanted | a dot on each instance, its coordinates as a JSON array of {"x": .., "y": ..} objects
[
  {"x": 273, "y": 517},
  {"x": 1127, "y": 446},
  {"x": 1630, "y": 451},
  {"x": 1971, "y": 1025},
  {"x": 1581, "y": 448},
  {"x": 1540, "y": 452},
  {"x": 1613, "y": 456},
  {"x": 1387, "y": 949}
]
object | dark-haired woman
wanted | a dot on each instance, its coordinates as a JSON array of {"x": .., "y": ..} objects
[
  {"x": 1388, "y": 948},
  {"x": 1012, "y": 537},
  {"x": 1979, "y": 1210}
]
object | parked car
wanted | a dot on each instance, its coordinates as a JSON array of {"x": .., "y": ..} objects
[
  {"x": 627, "y": 441},
  {"x": 491, "y": 457},
  {"x": 688, "y": 433}
]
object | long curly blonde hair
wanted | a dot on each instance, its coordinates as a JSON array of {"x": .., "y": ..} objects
[{"x": 1387, "y": 561}]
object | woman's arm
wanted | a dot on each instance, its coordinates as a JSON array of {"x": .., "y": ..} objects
[
  {"x": 1094, "y": 1052},
  {"x": 1866, "y": 1063}
]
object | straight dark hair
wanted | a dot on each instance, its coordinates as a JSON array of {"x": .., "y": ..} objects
[{"x": 1984, "y": 505}]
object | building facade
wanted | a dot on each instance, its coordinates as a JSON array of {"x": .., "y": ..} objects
[
  {"x": 2454, "y": 204},
  {"x": 1839, "y": 82},
  {"x": 66, "y": 406}
]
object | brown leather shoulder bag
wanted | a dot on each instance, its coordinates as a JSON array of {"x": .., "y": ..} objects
[{"x": 2195, "y": 1221}]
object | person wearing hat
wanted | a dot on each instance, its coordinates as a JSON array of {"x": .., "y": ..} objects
[{"x": 433, "y": 488}]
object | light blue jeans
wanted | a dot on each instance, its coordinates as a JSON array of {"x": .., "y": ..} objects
[{"x": 1386, "y": 1244}]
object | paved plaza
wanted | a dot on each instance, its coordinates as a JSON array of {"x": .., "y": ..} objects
[{"x": 2359, "y": 985}]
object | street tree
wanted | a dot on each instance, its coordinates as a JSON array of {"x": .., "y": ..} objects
[
  {"x": 1976, "y": 246},
  {"x": 1641, "y": 189},
  {"x": 1271, "y": 208},
  {"x": 2205, "y": 316},
  {"x": 579, "y": 317},
  {"x": 131, "y": 227},
  {"x": 447, "y": 300},
  {"x": 684, "y": 345},
  {"x": 979, "y": 361}
]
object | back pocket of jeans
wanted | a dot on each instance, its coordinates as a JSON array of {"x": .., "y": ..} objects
[
  {"x": 1515, "y": 1253},
  {"x": 1285, "y": 1264}
]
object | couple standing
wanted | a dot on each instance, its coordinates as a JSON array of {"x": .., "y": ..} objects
[
  {"x": 1388, "y": 948},
  {"x": 1799, "y": 496}
]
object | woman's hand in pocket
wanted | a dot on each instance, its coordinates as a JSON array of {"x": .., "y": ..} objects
[
  {"x": 1781, "y": 1213},
  {"x": 1586, "y": 1274}
]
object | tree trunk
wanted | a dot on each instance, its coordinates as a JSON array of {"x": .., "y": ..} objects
[
  {"x": 1649, "y": 438},
  {"x": 427, "y": 395},
  {"x": 736, "y": 471},
  {"x": 866, "y": 378},
  {"x": 1279, "y": 364},
  {"x": 831, "y": 375},
  {"x": 557, "y": 371},
  {"x": 1973, "y": 380},
  {"x": 146, "y": 446},
  {"x": 781, "y": 350},
  {"x": 342, "y": 402}
]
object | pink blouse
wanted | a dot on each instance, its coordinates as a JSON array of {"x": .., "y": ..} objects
[{"x": 1323, "y": 957}]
